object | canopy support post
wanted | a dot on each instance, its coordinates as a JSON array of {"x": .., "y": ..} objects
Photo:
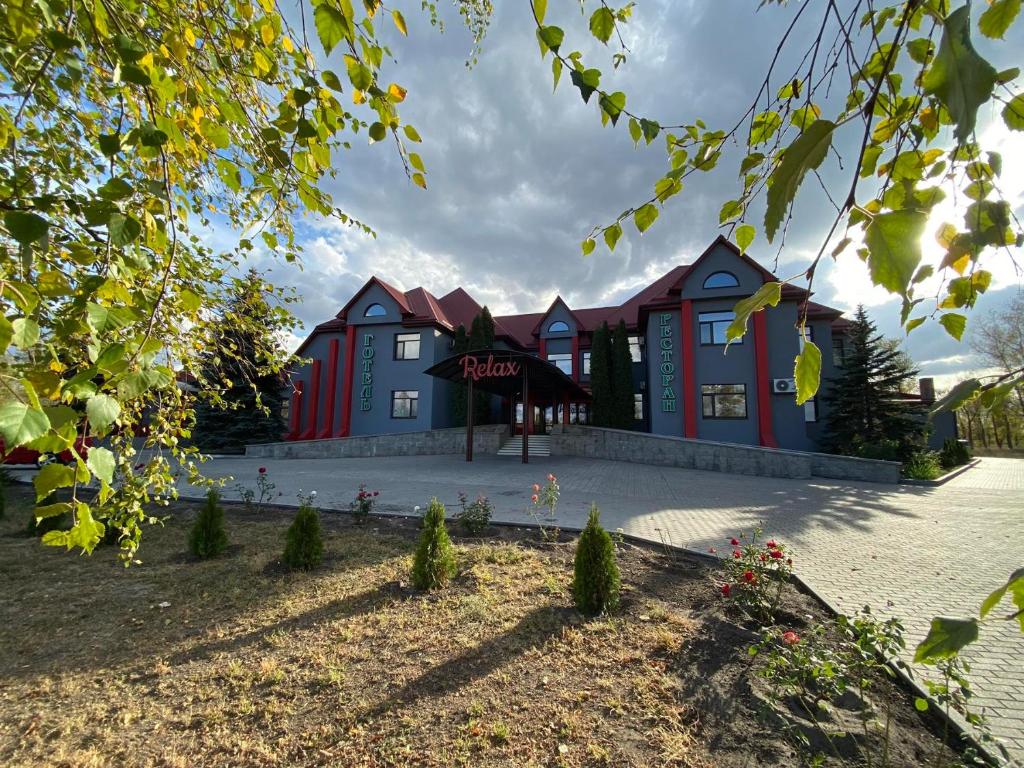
[
  {"x": 526, "y": 417},
  {"x": 469, "y": 420}
]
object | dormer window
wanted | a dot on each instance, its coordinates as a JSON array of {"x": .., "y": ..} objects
[
  {"x": 559, "y": 326},
  {"x": 375, "y": 310},
  {"x": 721, "y": 280}
]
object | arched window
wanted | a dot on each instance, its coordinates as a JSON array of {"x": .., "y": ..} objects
[
  {"x": 721, "y": 280},
  {"x": 559, "y": 326},
  {"x": 375, "y": 310}
]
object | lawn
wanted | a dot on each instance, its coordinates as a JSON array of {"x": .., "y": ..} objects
[{"x": 235, "y": 661}]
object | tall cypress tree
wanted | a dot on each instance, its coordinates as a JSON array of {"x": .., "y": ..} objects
[
  {"x": 458, "y": 389},
  {"x": 602, "y": 408},
  {"x": 622, "y": 379},
  {"x": 481, "y": 336},
  {"x": 866, "y": 413},
  {"x": 242, "y": 397}
]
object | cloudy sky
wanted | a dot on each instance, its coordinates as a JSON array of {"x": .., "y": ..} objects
[{"x": 518, "y": 175}]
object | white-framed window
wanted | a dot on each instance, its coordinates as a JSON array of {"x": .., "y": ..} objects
[
  {"x": 634, "y": 349},
  {"x": 586, "y": 363},
  {"x": 405, "y": 404},
  {"x": 375, "y": 310},
  {"x": 712, "y": 327},
  {"x": 721, "y": 280},
  {"x": 638, "y": 406},
  {"x": 563, "y": 361},
  {"x": 407, "y": 346},
  {"x": 559, "y": 326}
]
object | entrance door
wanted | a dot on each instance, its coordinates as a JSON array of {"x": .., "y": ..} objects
[{"x": 537, "y": 422}]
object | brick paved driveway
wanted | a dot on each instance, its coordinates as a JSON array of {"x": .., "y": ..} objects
[{"x": 906, "y": 551}]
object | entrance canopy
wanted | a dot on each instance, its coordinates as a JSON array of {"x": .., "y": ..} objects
[
  {"x": 510, "y": 374},
  {"x": 501, "y": 372}
]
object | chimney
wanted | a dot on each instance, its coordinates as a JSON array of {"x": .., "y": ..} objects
[{"x": 927, "y": 389}]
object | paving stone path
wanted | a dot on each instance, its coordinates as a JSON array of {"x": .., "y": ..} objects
[{"x": 907, "y": 551}]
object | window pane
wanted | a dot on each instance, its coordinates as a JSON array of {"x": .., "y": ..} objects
[
  {"x": 721, "y": 280},
  {"x": 586, "y": 363},
  {"x": 375, "y": 310},
  {"x": 810, "y": 410},
  {"x": 634, "y": 348},
  {"x": 404, "y": 404},
  {"x": 638, "y": 406},
  {"x": 558, "y": 327},
  {"x": 731, "y": 406},
  {"x": 705, "y": 333},
  {"x": 708, "y": 405},
  {"x": 714, "y": 317}
]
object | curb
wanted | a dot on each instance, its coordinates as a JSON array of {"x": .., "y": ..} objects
[{"x": 944, "y": 478}]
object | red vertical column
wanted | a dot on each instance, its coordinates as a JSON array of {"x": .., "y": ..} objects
[
  {"x": 689, "y": 375},
  {"x": 565, "y": 411},
  {"x": 542, "y": 349},
  {"x": 331, "y": 395},
  {"x": 577, "y": 364},
  {"x": 346, "y": 389},
  {"x": 314, "y": 403},
  {"x": 764, "y": 391},
  {"x": 295, "y": 412}
]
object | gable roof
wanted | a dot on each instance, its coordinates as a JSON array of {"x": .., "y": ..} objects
[
  {"x": 397, "y": 295},
  {"x": 558, "y": 300}
]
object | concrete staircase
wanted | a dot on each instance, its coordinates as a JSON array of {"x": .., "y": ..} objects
[{"x": 540, "y": 445}]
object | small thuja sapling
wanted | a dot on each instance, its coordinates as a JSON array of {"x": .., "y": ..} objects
[
  {"x": 434, "y": 563},
  {"x": 304, "y": 545}
]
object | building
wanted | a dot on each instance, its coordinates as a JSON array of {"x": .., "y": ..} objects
[{"x": 367, "y": 370}]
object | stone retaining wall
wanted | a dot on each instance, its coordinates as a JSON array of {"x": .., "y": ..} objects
[
  {"x": 487, "y": 439},
  {"x": 661, "y": 450}
]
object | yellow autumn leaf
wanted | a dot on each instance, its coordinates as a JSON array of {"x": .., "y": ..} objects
[
  {"x": 419, "y": 181},
  {"x": 961, "y": 264},
  {"x": 287, "y": 44},
  {"x": 190, "y": 36},
  {"x": 267, "y": 34},
  {"x": 396, "y": 92},
  {"x": 358, "y": 97},
  {"x": 399, "y": 20}
]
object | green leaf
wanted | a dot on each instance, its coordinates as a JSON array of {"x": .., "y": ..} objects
[
  {"x": 399, "y": 19},
  {"x": 945, "y": 639},
  {"x": 645, "y": 216},
  {"x": 807, "y": 371},
  {"x": 331, "y": 80},
  {"x": 602, "y": 24},
  {"x": 6, "y": 333},
  {"x": 587, "y": 81},
  {"x": 101, "y": 464},
  {"x": 745, "y": 234},
  {"x": 1014, "y": 585},
  {"x": 85, "y": 534},
  {"x": 960, "y": 78},
  {"x": 921, "y": 705},
  {"x": 378, "y": 132},
  {"x": 102, "y": 410},
  {"x": 540, "y": 10},
  {"x": 635, "y": 132},
  {"x": 330, "y": 26},
  {"x": 588, "y": 246},
  {"x": 102, "y": 320},
  {"x": 556, "y": 71},
  {"x": 894, "y": 248},
  {"x": 612, "y": 235},
  {"x": 1013, "y": 113},
  {"x": 110, "y": 144},
  {"x": 768, "y": 295},
  {"x": 731, "y": 209},
  {"x": 411, "y": 134},
  {"x": 552, "y": 37},
  {"x": 764, "y": 127},
  {"x": 50, "y": 510},
  {"x": 25, "y": 333},
  {"x": 806, "y": 153},
  {"x": 651, "y": 129},
  {"x": 20, "y": 424},
  {"x": 954, "y": 324},
  {"x": 957, "y": 396},
  {"x": 998, "y": 17},
  {"x": 613, "y": 104},
  {"x": 123, "y": 229},
  {"x": 51, "y": 477},
  {"x": 215, "y": 133},
  {"x": 26, "y": 227},
  {"x": 358, "y": 73}
]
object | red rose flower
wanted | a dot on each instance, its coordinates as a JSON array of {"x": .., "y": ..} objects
[
  {"x": 790, "y": 637},
  {"x": 263, "y": 470},
  {"x": 737, "y": 554},
  {"x": 771, "y": 544},
  {"x": 734, "y": 541},
  {"x": 764, "y": 558},
  {"x": 726, "y": 590},
  {"x": 777, "y": 554},
  {"x": 376, "y": 493},
  {"x": 749, "y": 577},
  {"x": 551, "y": 478},
  {"x": 536, "y": 487},
  {"x": 534, "y": 498},
  {"x": 789, "y": 561}
]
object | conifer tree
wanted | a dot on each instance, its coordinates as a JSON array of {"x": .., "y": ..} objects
[
  {"x": 434, "y": 564},
  {"x": 602, "y": 409},
  {"x": 304, "y": 547},
  {"x": 622, "y": 379},
  {"x": 595, "y": 584},
  {"x": 458, "y": 389},
  {"x": 481, "y": 336},
  {"x": 866, "y": 414},
  {"x": 208, "y": 538},
  {"x": 241, "y": 401}
]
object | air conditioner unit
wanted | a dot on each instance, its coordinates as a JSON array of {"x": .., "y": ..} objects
[{"x": 784, "y": 386}]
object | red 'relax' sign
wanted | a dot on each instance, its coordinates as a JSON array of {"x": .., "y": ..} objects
[{"x": 476, "y": 370}]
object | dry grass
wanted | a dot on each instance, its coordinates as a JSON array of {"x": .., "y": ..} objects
[{"x": 348, "y": 666}]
